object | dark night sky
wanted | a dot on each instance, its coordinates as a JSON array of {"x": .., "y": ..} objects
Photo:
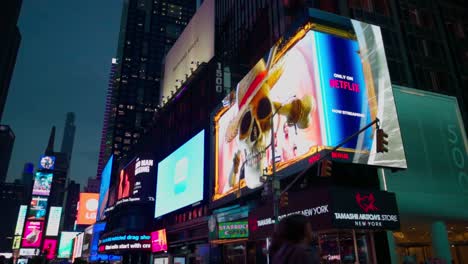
[{"x": 62, "y": 66}]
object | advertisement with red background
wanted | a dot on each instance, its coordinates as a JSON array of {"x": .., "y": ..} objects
[
  {"x": 87, "y": 208},
  {"x": 32, "y": 234},
  {"x": 126, "y": 181},
  {"x": 159, "y": 240},
  {"x": 49, "y": 248}
]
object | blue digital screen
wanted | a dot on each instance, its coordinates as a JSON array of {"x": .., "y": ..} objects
[
  {"x": 93, "y": 253},
  {"x": 343, "y": 89},
  {"x": 104, "y": 190},
  {"x": 180, "y": 177}
]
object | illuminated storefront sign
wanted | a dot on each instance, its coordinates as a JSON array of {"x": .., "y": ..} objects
[{"x": 238, "y": 229}]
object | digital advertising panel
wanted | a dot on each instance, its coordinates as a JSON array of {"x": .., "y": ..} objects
[
  {"x": 159, "y": 240},
  {"x": 194, "y": 46},
  {"x": 53, "y": 222},
  {"x": 180, "y": 177},
  {"x": 104, "y": 188},
  {"x": 313, "y": 91},
  {"x": 20, "y": 220},
  {"x": 66, "y": 244},
  {"x": 42, "y": 183},
  {"x": 78, "y": 246},
  {"x": 16, "y": 242},
  {"x": 47, "y": 163},
  {"x": 93, "y": 253},
  {"x": 87, "y": 209},
  {"x": 49, "y": 248},
  {"x": 37, "y": 208},
  {"x": 32, "y": 234},
  {"x": 125, "y": 241}
]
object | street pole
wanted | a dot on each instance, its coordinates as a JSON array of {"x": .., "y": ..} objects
[{"x": 275, "y": 181}]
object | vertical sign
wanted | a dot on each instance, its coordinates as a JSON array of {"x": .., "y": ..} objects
[
  {"x": 20, "y": 220},
  {"x": 54, "y": 221}
]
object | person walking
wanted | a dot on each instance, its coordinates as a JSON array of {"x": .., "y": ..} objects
[{"x": 293, "y": 242}]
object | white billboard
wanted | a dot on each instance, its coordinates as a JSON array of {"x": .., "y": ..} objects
[
  {"x": 53, "y": 222},
  {"x": 20, "y": 220},
  {"x": 194, "y": 45}
]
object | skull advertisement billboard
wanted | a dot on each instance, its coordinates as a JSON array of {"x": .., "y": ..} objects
[{"x": 313, "y": 91}]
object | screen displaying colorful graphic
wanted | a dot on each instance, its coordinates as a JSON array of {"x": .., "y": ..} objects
[
  {"x": 42, "y": 183},
  {"x": 47, "y": 162},
  {"x": 20, "y": 220},
  {"x": 49, "y": 248},
  {"x": 104, "y": 189},
  {"x": 16, "y": 242},
  {"x": 32, "y": 234},
  {"x": 87, "y": 209},
  {"x": 78, "y": 246},
  {"x": 159, "y": 240},
  {"x": 37, "y": 208},
  {"x": 66, "y": 244},
  {"x": 318, "y": 89},
  {"x": 126, "y": 181},
  {"x": 180, "y": 177},
  {"x": 53, "y": 222}
]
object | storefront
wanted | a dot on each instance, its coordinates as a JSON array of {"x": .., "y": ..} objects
[{"x": 347, "y": 221}]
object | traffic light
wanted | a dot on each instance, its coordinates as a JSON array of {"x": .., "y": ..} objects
[
  {"x": 382, "y": 142},
  {"x": 326, "y": 168},
  {"x": 284, "y": 200}
]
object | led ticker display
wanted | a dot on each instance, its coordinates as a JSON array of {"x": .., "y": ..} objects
[
  {"x": 87, "y": 209},
  {"x": 53, "y": 222},
  {"x": 126, "y": 241},
  {"x": 104, "y": 189},
  {"x": 20, "y": 220},
  {"x": 42, "y": 183},
  {"x": 159, "y": 240},
  {"x": 66, "y": 244},
  {"x": 37, "y": 208},
  {"x": 32, "y": 234},
  {"x": 318, "y": 89},
  {"x": 180, "y": 177},
  {"x": 49, "y": 248}
]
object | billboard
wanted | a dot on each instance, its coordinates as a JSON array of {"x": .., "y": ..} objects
[
  {"x": 16, "y": 242},
  {"x": 53, "y": 222},
  {"x": 180, "y": 177},
  {"x": 93, "y": 252},
  {"x": 42, "y": 183},
  {"x": 49, "y": 248},
  {"x": 159, "y": 240},
  {"x": 87, "y": 208},
  {"x": 78, "y": 246},
  {"x": 32, "y": 234},
  {"x": 317, "y": 89},
  {"x": 37, "y": 208},
  {"x": 104, "y": 189},
  {"x": 20, "y": 220},
  {"x": 194, "y": 46},
  {"x": 66, "y": 244},
  {"x": 47, "y": 163}
]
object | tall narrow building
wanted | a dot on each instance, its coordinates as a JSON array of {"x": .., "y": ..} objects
[
  {"x": 68, "y": 135},
  {"x": 10, "y": 41},
  {"x": 148, "y": 31}
]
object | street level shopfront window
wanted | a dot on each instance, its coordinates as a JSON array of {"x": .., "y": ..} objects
[{"x": 342, "y": 246}]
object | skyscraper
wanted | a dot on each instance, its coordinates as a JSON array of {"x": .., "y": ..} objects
[
  {"x": 7, "y": 139},
  {"x": 11, "y": 38},
  {"x": 68, "y": 135},
  {"x": 148, "y": 30}
]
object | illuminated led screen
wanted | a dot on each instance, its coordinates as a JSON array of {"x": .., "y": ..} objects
[
  {"x": 319, "y": 89},
  {"x": 20, "y": 220},
  {"x": 66, "y": 244},
  {"x": 37, "y": 208},
  {"x": 42, "y": 183},
  {"x": 53, "y": 222},
  {"x": 180, "y": 177},
  {"x": 32, "y": 236},
  {"x": 87, "y": 209},
  {"x": 104, "y": 189}
]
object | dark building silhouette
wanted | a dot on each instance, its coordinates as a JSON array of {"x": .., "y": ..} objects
[
  {"x": 27, "y": 178},
  {"x": 7, "y": 139},
  {"x": 11, "y": 38},
  {"x": 12, "y": 195},
  {"x": 68, "y": 135},
  {"x": 148, "y": 31},
  {"x": 69, "y": 214}
]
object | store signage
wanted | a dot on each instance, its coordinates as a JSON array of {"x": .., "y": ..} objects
[
  {"x": 365, "y": 209},
  {"x": 238, "y": 229},
  {"x": 133, "y": 242},
  {"x": 29, "y": 251},
  {"x": 322, "y": 209}
]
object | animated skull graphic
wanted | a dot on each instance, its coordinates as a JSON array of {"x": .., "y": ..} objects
[{"x": 252, "y": 125}]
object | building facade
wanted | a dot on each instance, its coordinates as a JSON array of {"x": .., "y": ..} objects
[
  {"x": 7, "y": 140},
  {"x": 11, "y": 36},
  {"x": 68, "y": 135}
]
